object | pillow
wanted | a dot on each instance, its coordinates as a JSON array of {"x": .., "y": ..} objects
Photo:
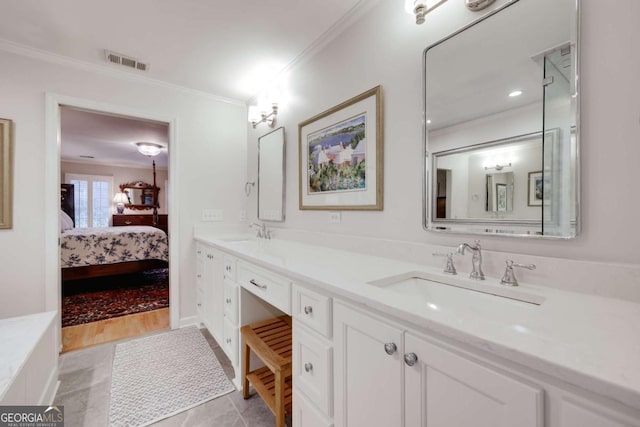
[{"x": 66, "y": 223}]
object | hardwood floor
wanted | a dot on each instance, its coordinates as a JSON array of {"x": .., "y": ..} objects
[{"x": 89, "y": 334}]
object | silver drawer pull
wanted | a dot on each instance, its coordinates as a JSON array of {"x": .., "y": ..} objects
[
  {"x": 308, "y": 367},
  {"x": 199, "y": 276},
  {"x": 228, "y": 300},
  {"x": 410, "y": 359},
  {"x": 228, "y": 340},
  {"x": 390, "y": 348},
  {"x": 254, "y": 283},
  {"x": 308, "y": 309}
]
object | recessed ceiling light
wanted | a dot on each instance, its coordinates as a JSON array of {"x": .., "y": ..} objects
[
  {"x": 428, "y": 121},
  {"x": 515, "y": 93}
]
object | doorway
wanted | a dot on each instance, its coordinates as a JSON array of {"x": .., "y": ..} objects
[{"x": 98, "y": 209}]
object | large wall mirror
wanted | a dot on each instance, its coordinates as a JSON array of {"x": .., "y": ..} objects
[
  {"x": 501, "y": 123},
  {"x": 271, "y": 155}
]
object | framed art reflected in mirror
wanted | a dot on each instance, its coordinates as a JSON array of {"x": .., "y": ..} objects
[{"x": 6, "y": 173}]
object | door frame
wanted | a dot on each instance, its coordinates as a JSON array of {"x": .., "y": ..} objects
[{"x": 53, "y": 281}]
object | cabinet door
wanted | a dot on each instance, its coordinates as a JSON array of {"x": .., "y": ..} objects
[
  {"x": 368, "y": 381},
  {"x": 444, "y": 389},
  {"x": 213, "y": 293}
]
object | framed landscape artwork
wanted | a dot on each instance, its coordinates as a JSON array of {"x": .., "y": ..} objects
[
  {"x": 341, "y": 156},
  {"x": 535, "y": 188},
  {"x": 6, "y": 163}
]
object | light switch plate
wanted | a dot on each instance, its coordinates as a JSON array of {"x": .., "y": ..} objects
[
  {"x": 212, "y": 215},
  {"x": 335, "y": 217}
]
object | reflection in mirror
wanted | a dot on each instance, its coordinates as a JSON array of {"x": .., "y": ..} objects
[
  {"x": 501, "y": 135},
  {"x": 140, "y": 195},
  {"x": 271, "y": 154}
]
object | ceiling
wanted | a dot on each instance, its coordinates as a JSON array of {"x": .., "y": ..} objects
[
  {"x": 228, "y": 48},
  {"x": 108, "y": 139}
]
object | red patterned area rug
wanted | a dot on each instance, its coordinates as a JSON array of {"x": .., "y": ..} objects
[{"x": 90, "y": 300}]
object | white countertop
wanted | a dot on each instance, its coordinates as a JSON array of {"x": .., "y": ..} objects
[
  {"x": 589, "y": 341},
  {"x": 19, "y": 336}
]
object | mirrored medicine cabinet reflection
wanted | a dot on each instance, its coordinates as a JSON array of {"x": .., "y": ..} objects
[
  {"x": 271, "y": 175},
  {"x": 501, "y": 123}
]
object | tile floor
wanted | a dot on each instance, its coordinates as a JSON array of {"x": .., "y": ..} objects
[{"x": 85, "y": 386}]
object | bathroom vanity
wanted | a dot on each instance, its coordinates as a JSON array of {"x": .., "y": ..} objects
[{"x": 376, "y": 344}]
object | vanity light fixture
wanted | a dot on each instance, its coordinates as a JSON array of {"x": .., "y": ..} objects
[
  {"x": 420, "y": 8},
  {"x": 149, "y": 148},
  {"x": 497, "y": 167},
  {"x": 515, "y": 93},
  {"x": 120, "y": 199},
  {"x": 256, "y": 116},
  {"x": 477, "y": 5}
]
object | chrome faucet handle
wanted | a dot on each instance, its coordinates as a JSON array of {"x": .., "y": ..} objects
[
  {"x": 509, "y": 277},
  {"x": 449, "y": 268}
]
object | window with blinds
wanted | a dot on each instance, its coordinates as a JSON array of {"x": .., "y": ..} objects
[{"x": 92, "y": 197}]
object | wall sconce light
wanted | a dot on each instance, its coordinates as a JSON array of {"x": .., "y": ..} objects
[
  {"x": 420, "y": 8},
  {"x": 256, "y": 116},
  {"x": 477, "y": 5},
  {"x": 120, "y": 199},
  {"x": 497, "y": 167},
  {"x": 149, "y": 148}
]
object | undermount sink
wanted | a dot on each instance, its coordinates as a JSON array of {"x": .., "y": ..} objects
[{"x": 439, "y": 287}]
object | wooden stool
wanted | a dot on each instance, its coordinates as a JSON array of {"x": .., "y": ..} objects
[{"x": 270, "y": 340}]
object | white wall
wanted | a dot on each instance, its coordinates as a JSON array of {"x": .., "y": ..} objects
[
  {"x": 385, "y": 47},
  {"x": 211, "y": 141}
]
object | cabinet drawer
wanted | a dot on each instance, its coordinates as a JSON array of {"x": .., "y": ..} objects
[
  {"x": 231, "y": 301},
  {"x": 306, "y": 415},
  {"x": 230, "y": 268},
  {"x": 230, "y": 341},
  {"x": 312, "y": 309},
  {"x": 312, "y": 368},
  {"x": 272, "y": 288}
]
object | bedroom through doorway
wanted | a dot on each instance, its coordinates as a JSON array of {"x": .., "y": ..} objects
[{"x": 114, "y": 175}]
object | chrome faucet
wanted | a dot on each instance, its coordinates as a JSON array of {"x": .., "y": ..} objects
[
  {"x": 476, "y": 259},
  {"x": 263, "y": 231}
]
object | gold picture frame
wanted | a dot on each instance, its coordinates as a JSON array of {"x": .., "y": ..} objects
[
  {"x": 340, "y": 156},
  {"x": 6, "y": 174}
]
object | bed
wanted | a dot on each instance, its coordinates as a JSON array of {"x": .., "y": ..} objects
[{"x": 95, "y": 252}]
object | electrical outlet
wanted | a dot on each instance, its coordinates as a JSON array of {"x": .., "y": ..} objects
[
  {"x": 212, "y": 215},
  {"x": 335, "y": 217},
  {"x": 243, "y": 216}
]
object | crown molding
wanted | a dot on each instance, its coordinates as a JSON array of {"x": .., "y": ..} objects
[
  {"x": 345, "y": 22},
  {"x": 54, "y": 58}
]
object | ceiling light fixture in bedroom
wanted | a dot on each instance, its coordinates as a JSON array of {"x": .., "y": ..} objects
[{"x": 149, "y": 148}]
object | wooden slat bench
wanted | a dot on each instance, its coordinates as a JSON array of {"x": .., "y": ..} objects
[{"x": 270, "y": 340}]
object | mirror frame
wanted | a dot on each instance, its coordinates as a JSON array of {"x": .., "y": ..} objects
[
  {"x": 6, "y": 174},
  {"x": 284, "y": 169},
  {"x": 141, "y": 185},
  {"x": 437, "y": 226}
]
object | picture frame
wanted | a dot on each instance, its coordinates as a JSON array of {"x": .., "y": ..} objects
[
  {"x": 501, "y": 197},
  {"x": 535, "y": 192},
  {"x": 6, "y": 174},
  {"x": 340, "y": 156}
]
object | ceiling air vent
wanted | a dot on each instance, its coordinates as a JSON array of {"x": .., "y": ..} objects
[{"x": 126, "y": 61}]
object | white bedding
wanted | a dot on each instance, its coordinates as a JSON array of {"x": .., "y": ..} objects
[{"x": 109, "y": 245}]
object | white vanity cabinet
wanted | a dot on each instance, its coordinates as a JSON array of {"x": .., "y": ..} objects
[
  {"x": 441, "y": 388},
  {"x": 368, "y": 369},
  {"x": 355, "y": 364},
  {"x": 312, "y": 358},
  {"x": 209, "y": 289},
  {"x": 446, "y": 389}
]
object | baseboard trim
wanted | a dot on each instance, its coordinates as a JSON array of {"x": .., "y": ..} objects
[{"x": 189, "y": 321}]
